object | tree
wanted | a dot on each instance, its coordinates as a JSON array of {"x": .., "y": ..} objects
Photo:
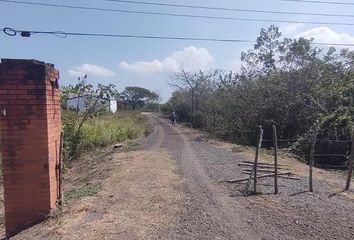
[
  {"x": 135, "y": 96},
  {"x": 286, "y": 82},
  {"x": 192, "y": 83},
  {"x": 73, "y": 122},
  {"x": 180, "y": 104},
  {"x": 263, "y": 58}
]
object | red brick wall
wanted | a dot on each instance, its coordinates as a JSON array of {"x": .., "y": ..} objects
[
  {"x": 30, "y": 138},
  {"x": 53, "y": 109}
]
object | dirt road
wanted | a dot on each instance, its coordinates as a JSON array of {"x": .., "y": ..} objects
[
  {"x": 215, "y": 210},
  {"x": 174, "y": 188},
  {"x": 208, "y": 211}
]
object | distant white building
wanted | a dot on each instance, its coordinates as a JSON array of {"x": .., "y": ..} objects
[{"x": 80, "y": 103}]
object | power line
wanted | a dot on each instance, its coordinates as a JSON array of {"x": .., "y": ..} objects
[
  {"x": 319, "y": 2},
  {"x": 27, "y": 33},
  {"x": 175, "y": 14},
  {"x": 13, "y": 32},
  {"x": 229, "y": 9}
]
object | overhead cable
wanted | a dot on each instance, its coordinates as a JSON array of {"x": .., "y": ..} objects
[
  {"x": 231, "y": 9},
  {"x": 176, "y": 15},
  {"x": 13, "y": 32},
  {"x": 319, "y": 2}
]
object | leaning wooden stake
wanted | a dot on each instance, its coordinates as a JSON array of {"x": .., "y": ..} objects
[
  {"x": 259, "y": 144},
  {"x": 311, "y": 162},
  {"x": 351, "y": 164},
  {"x": 275, "y": 140},
  {"x": 261, "y": 163},
  {"x": 259, "y": 176}
]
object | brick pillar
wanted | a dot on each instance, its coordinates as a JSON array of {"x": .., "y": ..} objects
[{"x": 30, "y": 126}]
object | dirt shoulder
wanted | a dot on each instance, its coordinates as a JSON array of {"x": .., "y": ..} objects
[{"x": 137, "y": 198}]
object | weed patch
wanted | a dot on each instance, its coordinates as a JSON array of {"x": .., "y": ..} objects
[
  {"x": 240, "y": 148},
  {"x": 82, "y": 191}
]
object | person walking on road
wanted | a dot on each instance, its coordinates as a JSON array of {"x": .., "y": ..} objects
[{"x": 173, "y": 118}]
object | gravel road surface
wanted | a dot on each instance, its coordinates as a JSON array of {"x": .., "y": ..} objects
[{"x": 216, "y": 210}]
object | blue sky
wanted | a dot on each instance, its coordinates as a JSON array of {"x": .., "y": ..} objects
[{"x": 147, "y": 63}]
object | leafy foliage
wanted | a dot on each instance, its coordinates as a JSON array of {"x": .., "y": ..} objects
[
  {"x": 138, "y": 96},
  {"x": 286, "y": 82},
  {"x": 73, "y": 121}
]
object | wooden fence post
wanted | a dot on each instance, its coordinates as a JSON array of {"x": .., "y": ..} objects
[
  {"x": 311, "y": 161},
  {"x": 259, "y": 144},
  {"x": 275, "y": 141},
  {"x": 351, "y": 164},
  {"x": 60, "y": 169}
]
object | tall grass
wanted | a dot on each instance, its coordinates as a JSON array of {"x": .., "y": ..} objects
[
  {"x": 107, "y": 130},
  {"x": 102, "y": 131}
]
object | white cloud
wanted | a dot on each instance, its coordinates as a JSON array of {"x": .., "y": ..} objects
[
  {"x": 91, "y": 69},
  {"x": 191, "y": 58},
  {"x": 327, "y": 35},
  {"x": 142, "y": 66},
  {"x": 290, "y": 28},
  {"x": 235, "y": 65}
]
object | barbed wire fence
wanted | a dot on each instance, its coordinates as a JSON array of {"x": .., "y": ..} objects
[{"x": 251, "y": 189}]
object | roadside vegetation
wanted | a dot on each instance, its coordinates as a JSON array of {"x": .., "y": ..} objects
[
  {"x": 290, "y": 83},
  {"x": 89, "y": 125},
  {"x": 81, "y": 191},
  {"x": 102, "y": 131},
  {"x": 109, "y": 129}
]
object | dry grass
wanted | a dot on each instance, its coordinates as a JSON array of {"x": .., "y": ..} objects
[{"x": 138, "y": 200}]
